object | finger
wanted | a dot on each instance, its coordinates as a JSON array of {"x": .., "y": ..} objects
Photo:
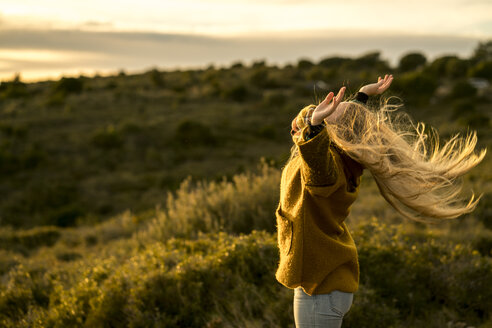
[
  {"x": 328, "y": 98},
  {"x": 339, "y": 97},
  {"x": 379, "y": 78},
  {"x": 387, "y": 84},
  {"x": 340, "y": 94}
]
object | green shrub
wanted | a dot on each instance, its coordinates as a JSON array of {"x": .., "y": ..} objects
[
  {"x": 68, "y": 85},
  {"x": 369, "y": 310},
  {"x": 14, "y": 131},
  {"x": 304, "y": 64},
  {"x": 426, "y": 273},
  {"x": 156, "y": 78},
  {"x": 267, "y": 132},
  {"x": 457, "y": 68},
  {"x": 462, "y": 108},
  {"x": 417, "y": 87},
  {"x": 274, "y": 100},
  {"x": 482, "y": 69},
  {"x": 181, "y": 283},
  {"x": 191, "y": 133},
  {"x": 13, "y": 89},
  {"x": 334, "y": 62},
  {"x": 408, "y": 279},
  {"x": 107, "y": 138},
  {"x": 30, "y": 239},
  {"x": 462, "y": 89},
  {"x": 438, "y": 68},
  {"x": 244, "y": 204},
  {"x": 411, "y": 61},
  {"x": 68, "y": 256},
  {"x": 237, "y": 93},
  {"x": 475, "y": 120}
]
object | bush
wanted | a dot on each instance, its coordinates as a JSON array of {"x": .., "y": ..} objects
[
  {"x": 68, "y": 85},
  {"x": 417, "y": 87},
  {"x": 482, "y": 69},
  {"x": 107, "y": 138},
  {"x": 462, "y": 89},
  {"x": 274, "y": 100},
  {"x": 13, "y": 89},
  {"x": 267, "y": 132},
  {"x": 370, "y": 61},
  {"x": 156, "y": 78},
  {"x": 462, "y": 108},
  {"x": 334, "y": 62},
  {"x": 244, "y": 204},
  {"x": 457, "y": 68},
  {"x": 259, "y": 77},
  {"x": 26, "y": 240},
  {"x": 426, "y": 273},
  {"x": 190, "y": 133},
  {"x": 238, "y": 93},
  {"x": 304, "y": 64},
  {"x": 475, "y": 120},
  {"x": 408, "y": 279},
  {"x": 217, "y": 278},
  {"x": 411, "y": 61}
]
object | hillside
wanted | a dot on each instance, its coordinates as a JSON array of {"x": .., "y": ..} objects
[{"x": 147, "y": 200}]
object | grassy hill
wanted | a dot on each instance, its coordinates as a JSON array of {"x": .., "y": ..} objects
[{"x": 148, "y": 200}]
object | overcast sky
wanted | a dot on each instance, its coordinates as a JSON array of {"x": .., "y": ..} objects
[{"x": 48, "y": 38}]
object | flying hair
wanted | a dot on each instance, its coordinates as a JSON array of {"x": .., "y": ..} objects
[{"x": 416, "y": 175}]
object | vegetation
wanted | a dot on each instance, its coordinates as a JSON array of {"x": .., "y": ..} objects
[{"x": 137, "y": 200}]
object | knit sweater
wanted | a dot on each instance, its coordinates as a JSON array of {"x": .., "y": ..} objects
[{"x": 317, "y": 188}]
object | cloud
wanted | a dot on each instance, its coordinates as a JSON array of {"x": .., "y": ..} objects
[{"x": 110, "y": 51}]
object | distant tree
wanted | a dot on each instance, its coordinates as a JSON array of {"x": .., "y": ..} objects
[
  {"x": 13, "y": 89},
  {"x": 457, "y": 68},
  {"x": 238, "y": 93},
  {"x": 67, "y": 85},
  {"x": 411, "y": 61},
  {"x": 237, "y": 64},
  {"x": 156, "y": 78},
  {"x": 304, "y": 63},
  {"x": 482, "y": 69},
  {"x": 483, "y": 52},
  {"x": 259, "y": 77},
  {"x": 190, "y": 133},
  {"x": 259, "y": 63},
  {"x": 107, "y": 138},
  {"x": 315, "y": 73},
  {"x": 334, "y": 62},
  {"x": 417, "y": 87},
  {"x": 462, "y": 89},
  {"x": 438, "y": 67},
  {"x": 368, "y": 61}
]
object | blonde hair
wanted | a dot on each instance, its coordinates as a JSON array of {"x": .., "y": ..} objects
[{"x": 414, "y": 173}]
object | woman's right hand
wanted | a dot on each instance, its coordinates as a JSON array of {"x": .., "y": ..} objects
[{"x": 325, "y": 108}]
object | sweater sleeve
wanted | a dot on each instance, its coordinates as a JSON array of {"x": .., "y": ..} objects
[{"x": 319, "y": 169}]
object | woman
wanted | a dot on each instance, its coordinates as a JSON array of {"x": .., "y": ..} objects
[{"x": 333, "y": 143}]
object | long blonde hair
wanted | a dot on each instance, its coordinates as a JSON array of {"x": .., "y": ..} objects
[{"x": 414, "y": 173}]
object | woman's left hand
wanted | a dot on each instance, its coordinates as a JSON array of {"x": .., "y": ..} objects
[{"x": 378, "y": 88}]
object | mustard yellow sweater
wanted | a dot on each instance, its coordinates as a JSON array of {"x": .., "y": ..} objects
[{"x": 317, "y": 189}]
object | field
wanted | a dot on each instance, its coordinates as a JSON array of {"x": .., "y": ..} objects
[{"x": 147, "y": 200}]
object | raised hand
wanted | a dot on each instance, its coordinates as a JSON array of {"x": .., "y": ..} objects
[
  {"x": 378, "y": 88},
  {"x": 327, "y": 107}
]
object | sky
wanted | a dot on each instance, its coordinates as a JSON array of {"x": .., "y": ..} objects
[{"x": 48, "y": 39}]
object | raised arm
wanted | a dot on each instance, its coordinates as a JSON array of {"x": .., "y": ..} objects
[{"x": 318, "y": 167}]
